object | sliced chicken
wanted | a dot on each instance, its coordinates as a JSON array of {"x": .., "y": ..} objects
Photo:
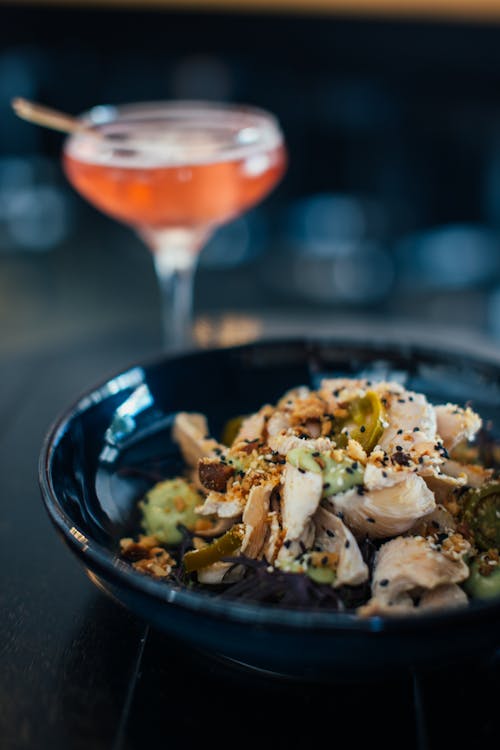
[
  {"x": 447, "y": 595},
  {"x": 454, "y": 424},
  {"x": 407, "y": 567},
  {"x": 220, "y": 572},
  {"x": 339, "y": 391},
  {"x": 333, "y": 536},
  {"x": 451, "y": 476},
  {"x": 278, "y": 424},
  {"x": 411, "y": 420},
  {"x": 255, "y": 518},
  {"x": 289, "y": 397},
  {"x": 221, "y": 505},
  {"x": 439, "y": 521},
  {"x": 253, "y": 427},
  {"x": 274, "y": 537},
  {"x": 381, "y": 513},
  {"x": 284, "y": 443},
  {"x": 301, "y": 496},
  {"x": 190, "y": 432},
  {"x": 291, "y": 549},
  {"x": 473, "y": 475}
]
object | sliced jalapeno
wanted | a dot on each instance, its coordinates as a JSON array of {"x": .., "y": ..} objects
[
  {"x": 367, "y": 413},
  {"x": 481, "y": 513},
  {"x": 231, "y": 429},
  {"x": 221, "y": 547}
]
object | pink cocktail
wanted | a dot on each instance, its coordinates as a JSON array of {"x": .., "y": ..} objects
[{"x": 175, "y": 171}]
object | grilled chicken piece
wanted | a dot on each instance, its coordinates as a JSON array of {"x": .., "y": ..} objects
[
  {"x": 445, "y": 480},
  {"x": 273, "y": 539},
  {"x": 278, "y": 424},
  {"x": 339, "y": 391},
  {"x": 289, "y": 397},
  {"x": 447, "y": 595},
  {"x": 454, "y": 424},
  {"x": 220, "y": 505},
  {"x": 291, "y": 549},
  {"x": 386, "y": 512},
  {"x": 255, "y": 518},
  {"x": 411, "y": 420},
  {"x": 410, "y": 566},
  {"x": 190, "y": 432},
  {"x": 218, "y": 528},
  {"x": 472, "y": 474},
  {"x": 301, "y": 495},
  {"x": 284, "y": 443},
  {"x": 333, "y": 536},
  {"x": 253, "y": 427},
  {"x": 220, "y": 572},
  {"x": 439, "y": 521}
]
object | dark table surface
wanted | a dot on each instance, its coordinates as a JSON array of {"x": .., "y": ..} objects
[{"x": 77, "y": 670}]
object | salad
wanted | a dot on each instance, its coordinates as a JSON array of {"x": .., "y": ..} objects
[{"x": 359, "y": 496}]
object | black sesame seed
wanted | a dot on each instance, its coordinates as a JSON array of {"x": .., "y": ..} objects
[
  {"x": 347, "y": 544},
  {"x": 316, "y": 454},
  {"x": 324, "y": 560},
  {"x": 399, "y": 448},
  {"x": 362, "y": 428},
  {"x": 330, "y": 533},
  {"x": 355, "y": 465},
  {"x": 384, "y": 582},
  {"x": 326, "y": 485},
  {"x": 399, "y": 432},
  {"x": 349, "y": 470},
  {"x": 416, "y": 429},
  {"x": 370, "y": 520},
  {"x": 287, "y": 543},
  {"x": 302, "y": 471},
  {"x": 401, "y": 401},
  {"x": 384, "y": 474}
]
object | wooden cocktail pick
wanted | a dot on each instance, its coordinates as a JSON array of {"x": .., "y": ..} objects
[{"x": 49, "y": 118}]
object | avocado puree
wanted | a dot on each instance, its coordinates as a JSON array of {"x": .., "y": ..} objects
[
  {"x": 337, "y": 476},
  {"x": 165, "y": 506}
]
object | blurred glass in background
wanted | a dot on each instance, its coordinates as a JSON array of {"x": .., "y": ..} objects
[{"x": 391, "y": 205}]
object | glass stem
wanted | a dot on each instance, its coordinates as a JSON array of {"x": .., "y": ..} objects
[{"x": 175, "y": 255}]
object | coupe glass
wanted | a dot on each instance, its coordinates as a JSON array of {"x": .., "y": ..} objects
[{"x": 175, "y": 171}]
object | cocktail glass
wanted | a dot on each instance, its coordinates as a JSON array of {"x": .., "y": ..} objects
[{"x": 175, "y": 171}]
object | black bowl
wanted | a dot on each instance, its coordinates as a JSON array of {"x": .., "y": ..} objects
[{"x": 102, "y": 454}]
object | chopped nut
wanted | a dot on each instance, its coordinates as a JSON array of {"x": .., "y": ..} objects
[
  {"x": 214, "y": 475},
  {"x": 147, "y": 556}
]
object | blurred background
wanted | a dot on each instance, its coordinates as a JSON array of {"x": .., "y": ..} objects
[{"x": 389, "y": 211}]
